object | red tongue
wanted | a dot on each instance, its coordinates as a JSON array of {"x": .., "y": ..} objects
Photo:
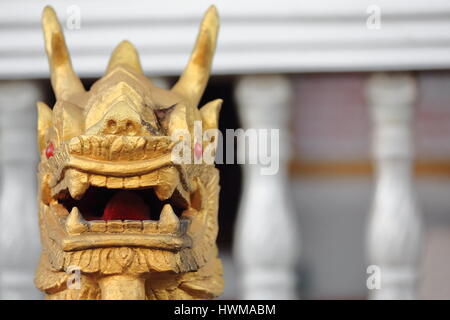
[{"x": 126, "y": 205}]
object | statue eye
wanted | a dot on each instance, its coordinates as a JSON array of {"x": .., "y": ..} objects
[{"x": 49, "y": 150}]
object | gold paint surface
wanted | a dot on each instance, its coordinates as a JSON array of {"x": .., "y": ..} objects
[{"x": 116, "y": 139}]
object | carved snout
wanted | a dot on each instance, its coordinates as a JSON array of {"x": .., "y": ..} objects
[{"x": 120, "y": 119}]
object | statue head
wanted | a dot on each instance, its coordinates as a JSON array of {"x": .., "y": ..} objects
[{"x": 119, "y": 217}]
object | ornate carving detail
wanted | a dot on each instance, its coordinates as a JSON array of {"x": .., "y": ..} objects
[{"x": 112, "y": 202}]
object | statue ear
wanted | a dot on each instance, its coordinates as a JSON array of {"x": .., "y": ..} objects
[
  {"x": 210, "y": 114},
  {"x": 44, "y": 122}
]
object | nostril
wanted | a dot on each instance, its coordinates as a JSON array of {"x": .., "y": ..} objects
[
  {"x": 121, "y": 126},
  {"x": 111, "y": 125},
  {"x": 131, "y": 127}
]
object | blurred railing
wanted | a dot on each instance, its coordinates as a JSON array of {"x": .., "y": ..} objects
[{"x": 256, "y": 37}]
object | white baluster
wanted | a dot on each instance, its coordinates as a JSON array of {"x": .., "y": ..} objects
[
  {"x": 19, "y": 233},
  {"x": 266, "y": 244},
  {"x": 395, "y": 225}
]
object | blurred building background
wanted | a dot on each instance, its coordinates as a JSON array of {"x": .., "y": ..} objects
[{"x": 360, "y": 91}]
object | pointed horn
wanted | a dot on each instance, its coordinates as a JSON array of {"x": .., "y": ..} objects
[
  {"x": 195, "y": 76},
  {"x": 125, "y": 54},
  {"x": 64, "y": 80}
]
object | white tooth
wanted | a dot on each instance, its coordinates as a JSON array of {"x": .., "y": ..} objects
[
  {"x": 150, "y": 226},
  {"x": 77, "y": 182},
  {"x": 114, "y": 183},
  {"x": 75, "y": 224},
  {"x": 97, "y": 226},
  {"x": 171, "y": 179},
  {"x": 149, "y": 179},
  {"x": 168, "y": 221},
  {"x": 131, "y": 182},
  {"x": 164, "y": 192},
  {"x": 96, "y": 180},
  {"x": 133, "y": 225},
  {"x": 114, "y": 226}
]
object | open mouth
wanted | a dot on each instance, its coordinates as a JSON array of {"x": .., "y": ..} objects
[
  {"x": 99, "y": 203},
  {"x": 140, "y": 202},
  {"x": 104, "y": 217},
  {"x": 116, "y": 210}
]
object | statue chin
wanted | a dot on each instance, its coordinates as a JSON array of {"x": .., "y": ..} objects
[{"x": 119, "y": 217}]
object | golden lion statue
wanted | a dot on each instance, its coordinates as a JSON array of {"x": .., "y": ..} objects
[{"x": 119, "y": 217}]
